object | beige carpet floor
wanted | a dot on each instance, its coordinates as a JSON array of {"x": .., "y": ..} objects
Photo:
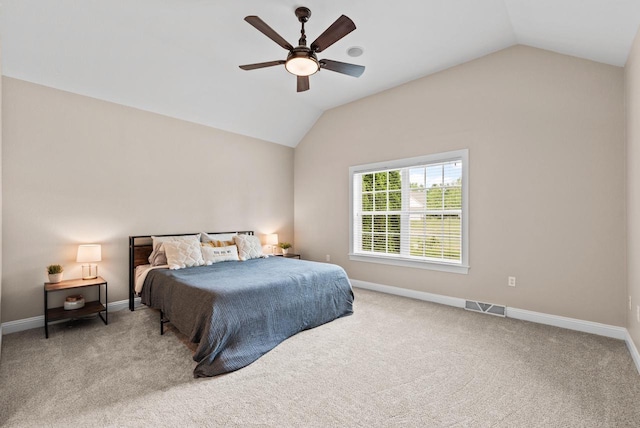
[{"x": 395, "y": 362}]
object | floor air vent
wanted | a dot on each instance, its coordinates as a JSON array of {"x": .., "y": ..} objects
[{"x": 486, "y": 308}]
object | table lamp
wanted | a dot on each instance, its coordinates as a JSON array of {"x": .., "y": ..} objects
[
  {"x": 272, "y": 239},
  {"x": 87, "y": 254}
]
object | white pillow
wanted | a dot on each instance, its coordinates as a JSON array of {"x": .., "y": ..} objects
[
  {"x": 249, "y": 247},
  {"x": 182, "y": 254},
  {"x": 158, "y": 256},
  {"x": 213, "y": 255}
]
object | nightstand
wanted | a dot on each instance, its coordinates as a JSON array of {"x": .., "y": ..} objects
[
  {"x": 89, "y": 308},
  {"x": 288, "y": 256}
]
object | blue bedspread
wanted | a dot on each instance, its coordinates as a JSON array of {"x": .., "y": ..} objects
[{"x": 238, "y": 311}]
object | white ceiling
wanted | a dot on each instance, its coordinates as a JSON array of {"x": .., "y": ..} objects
[{"x": 180, "y": 58}]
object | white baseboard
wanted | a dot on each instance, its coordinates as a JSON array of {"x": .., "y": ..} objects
[
  {"x": 634, "y": 351},
  {"x": 404, "y": 292},
  {"x": 522, "y": 314},
  {"x": 568, "y": 323},
  {"x": 123, "y": 304},
  {"x": 38, "y": 322}
]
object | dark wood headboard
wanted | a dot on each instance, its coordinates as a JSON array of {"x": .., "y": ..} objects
[
  {"x": 141, "y": 255},
  {"x": 140, "y": 248}
]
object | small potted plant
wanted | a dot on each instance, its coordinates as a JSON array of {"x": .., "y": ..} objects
[
  {"x": 285, "y": 247},
  {"x": 55, "y": 273}
]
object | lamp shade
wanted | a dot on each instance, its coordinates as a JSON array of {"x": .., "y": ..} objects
[
  {"x": 89, "y": 253},
  {"x": 272, "y": 239}
]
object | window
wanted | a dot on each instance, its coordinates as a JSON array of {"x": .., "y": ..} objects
[{"x": 412, "y": 212}]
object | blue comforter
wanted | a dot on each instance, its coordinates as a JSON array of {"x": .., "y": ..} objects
[{"x": 238, "y": 311}]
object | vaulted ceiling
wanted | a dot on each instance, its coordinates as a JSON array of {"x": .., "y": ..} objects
[{"x": 180, "y": 58}]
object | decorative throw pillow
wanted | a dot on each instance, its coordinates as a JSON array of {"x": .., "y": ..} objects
[
  {"x": 216, "y": 244},
  {"x": 212, "y": 254},
  {"x": 218, "y": 239},
  {"x": 249, "y": 247},
  {"x": 158, "y": 256},
  {"x": 182, "y": 254}
]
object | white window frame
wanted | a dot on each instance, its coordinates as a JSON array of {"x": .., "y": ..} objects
[{"x": 461, "y": 267}]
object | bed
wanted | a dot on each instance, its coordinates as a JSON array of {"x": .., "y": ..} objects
[{"x": 239, "y": 310}]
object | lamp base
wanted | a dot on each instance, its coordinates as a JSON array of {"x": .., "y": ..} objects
[{"x": 89, "y": 271}]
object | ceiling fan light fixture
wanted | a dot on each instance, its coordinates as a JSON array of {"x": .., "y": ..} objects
[{"x": 301, "y": 63}]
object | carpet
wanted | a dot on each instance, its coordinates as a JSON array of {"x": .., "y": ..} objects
[{"x": 395, "y": 362}]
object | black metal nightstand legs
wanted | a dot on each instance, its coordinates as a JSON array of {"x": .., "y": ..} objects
[{"x": 46, "y": 316}]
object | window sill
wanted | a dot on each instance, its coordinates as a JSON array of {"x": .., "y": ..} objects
[{"x": 443, "y": 267}]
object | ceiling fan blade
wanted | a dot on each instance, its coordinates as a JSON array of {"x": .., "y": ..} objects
[
  {"x": 262, "y": 26},
  {"x": 342, "y": 67},
  {"x": 303, "y": 83},
  {"x": 335, "y": 32},
  {"x": 262, "y": 65}
]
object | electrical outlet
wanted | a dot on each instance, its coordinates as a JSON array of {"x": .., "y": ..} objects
[
  {"x": 512, "y": 281},
  {"x": 638, "y": 313},
  {"x": 328, "y": 258},
  {"x": 630, "y": 307}
]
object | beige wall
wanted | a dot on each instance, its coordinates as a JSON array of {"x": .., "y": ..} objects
[
  {"x": 546, "y": 140},
  {"x": 79, "y": 170},
  {"x": 632, "y": 90},
  {"x": 0, "y": 197},
  {"x": 545, "y": 134}
]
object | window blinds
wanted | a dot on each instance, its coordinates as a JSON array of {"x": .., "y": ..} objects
[{"x": 413, "y": 212}]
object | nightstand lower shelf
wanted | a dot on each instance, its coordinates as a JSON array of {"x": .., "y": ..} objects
[{"x": 89, "y": 308}]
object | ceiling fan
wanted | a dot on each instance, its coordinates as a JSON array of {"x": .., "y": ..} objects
[{"x": 302, "y": 60}]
